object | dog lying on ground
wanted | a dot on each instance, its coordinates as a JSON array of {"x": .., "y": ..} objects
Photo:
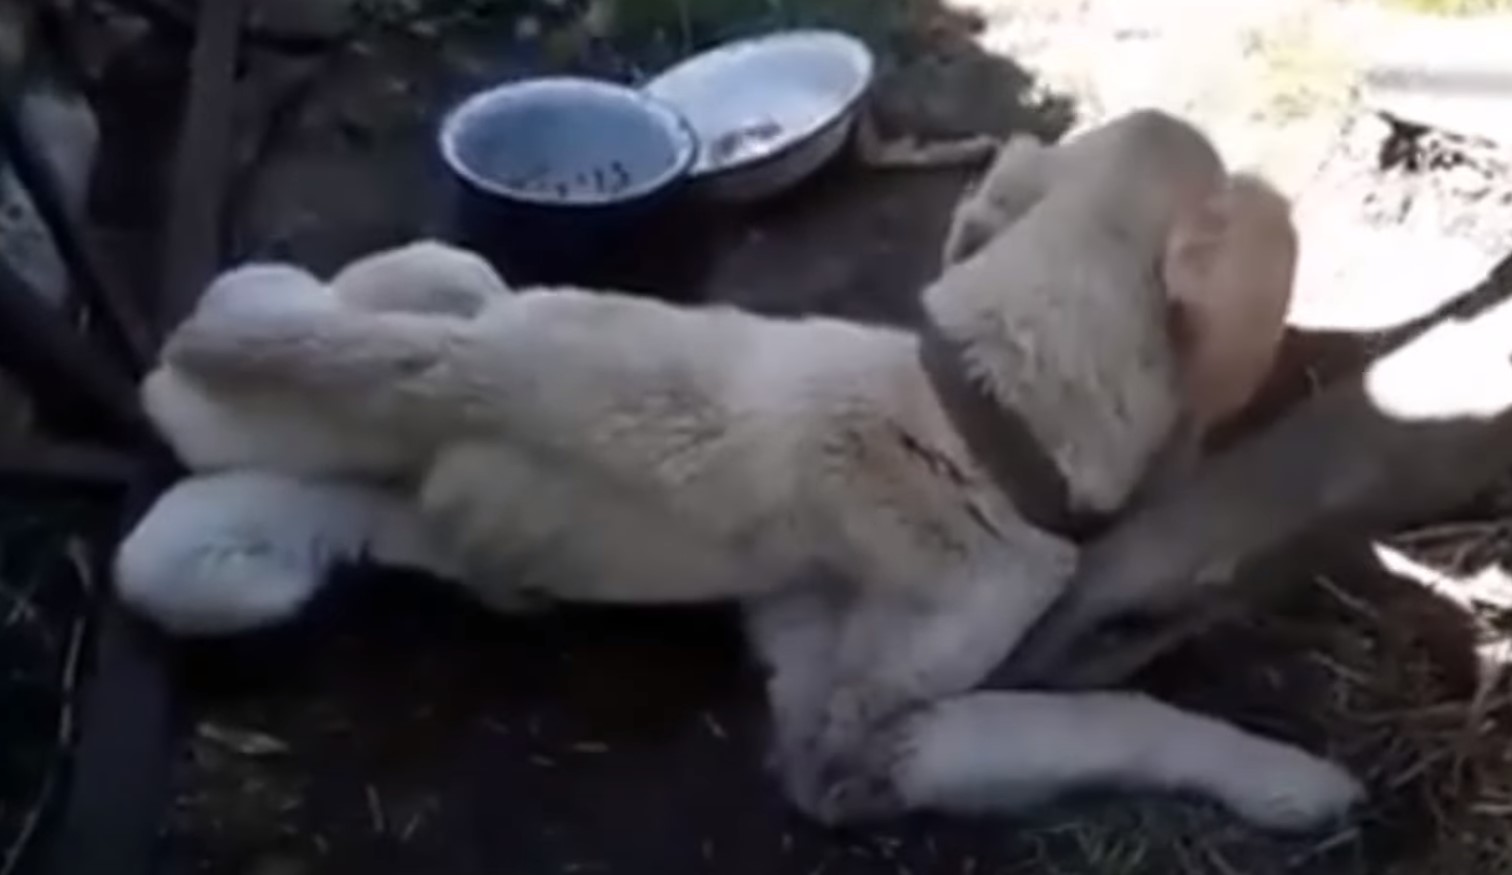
[{"x": 894, "y": 510}]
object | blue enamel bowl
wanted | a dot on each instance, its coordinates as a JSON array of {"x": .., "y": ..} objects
[{"x": 558, "y": 180}]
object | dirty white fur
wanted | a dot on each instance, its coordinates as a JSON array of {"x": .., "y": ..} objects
[
  {"x": 210, "y": 431},
  {"x": 673, "y": 453},
  {"x": 983, "y": 752},
  {"x": 1226, "y": 270},
  {"x": 1081, "y": 349},
  {"x": 218, "y": 548},
  {"x": 213, "y": 431},
  {"x": 791, "y": 444},
  {"x": 421, "y": 277},
  {"x": 281, "y": 496}
]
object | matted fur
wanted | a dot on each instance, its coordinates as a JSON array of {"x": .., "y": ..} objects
[{"x": 805, "y": 467}]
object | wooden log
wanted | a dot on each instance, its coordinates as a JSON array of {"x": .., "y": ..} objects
[
  {"x": 1415, "y": 432},
  {"x": 202, "y": 162},
  {"x": 120, "y": 787}
]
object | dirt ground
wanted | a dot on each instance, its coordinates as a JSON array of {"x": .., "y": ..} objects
[{"x": 398, "y": 731}]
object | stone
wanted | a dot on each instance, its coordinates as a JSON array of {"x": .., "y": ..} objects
[{"x": 67, "y": 134}]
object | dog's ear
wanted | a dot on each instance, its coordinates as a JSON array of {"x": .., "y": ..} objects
[
  {"x": 1016, "y": 180},
  {"x": 1228, "y": 269}
]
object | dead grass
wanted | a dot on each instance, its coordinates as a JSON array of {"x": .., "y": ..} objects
[
  {"x": 1406, "y": 687},
  {"x": 1416, "y": 692}
]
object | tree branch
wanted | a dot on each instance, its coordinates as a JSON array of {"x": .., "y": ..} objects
[{"x": 1416, "y": 432}]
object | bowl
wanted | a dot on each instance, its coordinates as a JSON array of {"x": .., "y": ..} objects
[
  {"x": 768, "y": 111},
  {"x": 554, "y": 176}
]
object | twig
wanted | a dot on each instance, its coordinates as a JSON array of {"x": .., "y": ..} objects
[
  {"x": 1447, "y": 532},
  {"x": 68, "y": 682},
  {"x": 22, "y": 606},
  {"x": 1327, "y": 844},
  {"x": 1354, "y": 604}
]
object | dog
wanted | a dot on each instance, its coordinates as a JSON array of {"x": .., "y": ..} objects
[{"x": 848, "y": 484}]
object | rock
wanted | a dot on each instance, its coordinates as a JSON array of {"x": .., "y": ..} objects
[{"x": 67, "y": 134}]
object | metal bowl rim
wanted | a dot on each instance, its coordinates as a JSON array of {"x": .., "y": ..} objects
[
  {"x": 680, "y": 133},
  {"x": 865, "y": 69},
  {"x": 710, "y": 180}
]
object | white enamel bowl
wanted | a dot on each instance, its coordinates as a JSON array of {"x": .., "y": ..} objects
[{"x": 768, "y": 111}]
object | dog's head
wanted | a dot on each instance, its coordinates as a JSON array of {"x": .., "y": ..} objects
[
  {"x": 1061, "y": 316},
  {"x": 1142, "y": 288}
]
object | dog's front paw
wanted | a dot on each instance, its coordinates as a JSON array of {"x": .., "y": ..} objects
[
  {"x": 835, "y": 793},
  {"x": 1291, "y": 790},
  {"x": 836, "y": 788},
  {"x": 856, "y": 796}
]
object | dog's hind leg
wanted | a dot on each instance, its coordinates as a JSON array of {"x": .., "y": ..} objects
[
  {"x": 226, "y": 553},
  {"x": 389, "y": 369},
  {"x": 425, "y": 276},
  {"x": 1002, "y": 752}
]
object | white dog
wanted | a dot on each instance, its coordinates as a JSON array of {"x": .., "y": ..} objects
[{"x": 595, "y": 447}]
